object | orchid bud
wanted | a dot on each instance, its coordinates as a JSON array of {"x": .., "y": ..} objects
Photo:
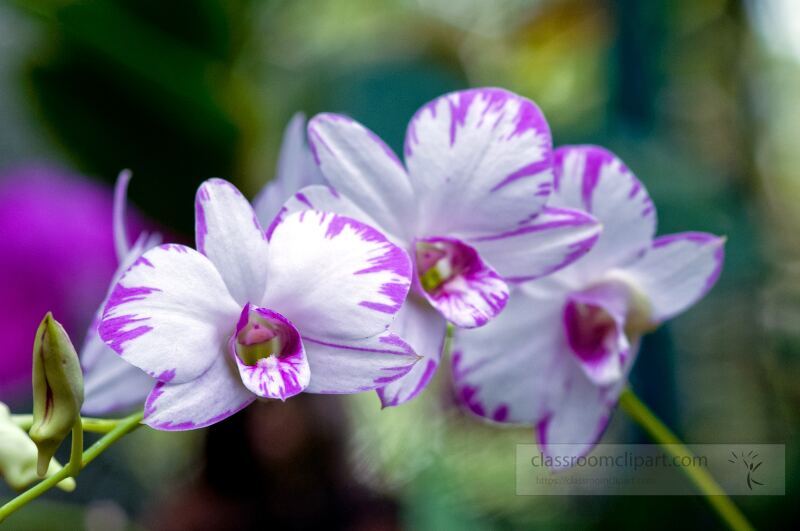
[
  {"x": 57, "y": 389},
  {"x": 18, "y": 456}
]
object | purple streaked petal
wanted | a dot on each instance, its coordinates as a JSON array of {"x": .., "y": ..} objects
[
  {"x": 424, "y": 329},
  {"x": 111, "y": 384},
  {"x": 335, "y": 277},
  {"x": 513, "y": 369},
  {"x": 354, "y": 366},
  {"x": 325, "y": 199},
  {"x": 281, "y": 375},
  {"x": 213, "y": 396},
  {"x": 169, "y": 312},
  {"x": 593, "y": 179},
  {"x": 479, "y": 160},
  {"x": 554, "y": 239},
  {"x": 573, "y": 427},
  {"x": 678, "y": 271},
  {"x": 473, "y": 294},
  {"x": 361, "y": 167},
  {"x": 228, "y": 233}
]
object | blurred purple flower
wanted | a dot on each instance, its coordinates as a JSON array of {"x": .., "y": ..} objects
[{"x": 57, "y": 255}]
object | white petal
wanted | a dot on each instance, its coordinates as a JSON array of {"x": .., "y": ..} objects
[
  {"x": 480, "y": 161},
  {"x": 296, "y": 169},
  {"x": 424, "y": 329},
  {"x": 592, "y": 179},
  {"x": 514, "y": 368},
  {"x": 360, "y": 166},
  {"x": 169, "y": 314},
  {"x": 578, "y": 421},
  {"x": 678, "y": 271},
  {"x": 228, "y": 232},
  {"x": 334, "y": 277},
  {"x": 214, "y": 396},
  {"x": 354, "y": 366},
  {"x": 554, "y": 239}
]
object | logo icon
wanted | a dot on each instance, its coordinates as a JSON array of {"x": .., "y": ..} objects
[{"x": 751, "y": 464}]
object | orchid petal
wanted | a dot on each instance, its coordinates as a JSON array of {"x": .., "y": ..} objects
[
  {"x": 342, "y": 367},
  {"x": 479, "y": 160},
  {"x": 573, "y": 428},
  {"x": 169, "y": 314},
  {"x": 514, "y": 368},
  {"x": 363, "y": 168},
  {"x": 280, "y": 375},
  {"x": 229, "y": 234},
  {"x": 425, "y": 330},
  {"x": 296, "y": 169},
  {"x": 335, "y": 277},
  {"x": 474, "y": 294},
  {"x": 214, "y": 396},
  {"x": 678, "y": 271},
  {"x": 593, "y": 179},
  {"x": 111, "y": 385},
  {"x": 323, "y": 199},
  {"x": 594, "y": 325},
  {"x": 554, "y": 239}
]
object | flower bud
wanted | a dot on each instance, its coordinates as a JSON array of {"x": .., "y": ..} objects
[
  {"x": 57, "y": 389},
  {"x": 18, "y": 456}
]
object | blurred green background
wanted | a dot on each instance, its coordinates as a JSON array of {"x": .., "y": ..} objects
[{"x": 701, "y": 98}]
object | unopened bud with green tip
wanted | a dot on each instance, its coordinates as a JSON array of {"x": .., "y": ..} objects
[
  {"x": 57, "y": 389},
  {"x": 18, "y": 456}
]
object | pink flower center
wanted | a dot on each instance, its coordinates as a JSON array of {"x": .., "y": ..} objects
[
  {"x": 590, "y": 330},
  {"x": 259, "y": 337},
  {"x": 440, "y": 262}
]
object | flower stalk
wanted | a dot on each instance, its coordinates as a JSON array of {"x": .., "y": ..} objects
[
  {"x": 122, "y": 428},
  {"x": 714, "y": 494}
]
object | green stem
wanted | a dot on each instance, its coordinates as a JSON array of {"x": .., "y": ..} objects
[
  {"x": 91, "y": 425},
  {"x": 76, "y": 450},
  {"x": 123, "y": 427},
  {"x": 712, "y": 491}
]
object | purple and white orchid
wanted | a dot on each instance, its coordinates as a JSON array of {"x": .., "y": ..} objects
[
  {"x": 468, "y": 206},
  {"x": 248, "y": 315},
  {"x": 559, "y": 356}
]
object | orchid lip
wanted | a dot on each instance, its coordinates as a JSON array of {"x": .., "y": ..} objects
[
  {"x": 261, "y": 335},
  {"x": 600, "y": 323}
]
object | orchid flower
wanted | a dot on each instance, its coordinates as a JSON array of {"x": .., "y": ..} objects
[
  {"x": 468, "y": 206},
  {"x": 296, "y": 169},
  {"x": 248, "y": 315},
  {"x": 559, "y": 356},
  {"x": 113, "y": 385},
  {"x": 110, "y": 384}
]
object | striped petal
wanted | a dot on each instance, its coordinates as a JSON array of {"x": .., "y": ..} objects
[
  {"x": 424, "y": 329},
  {"x": 480, "y": 161},
  {"x": 593, "y": 179},
  {"x": 360, "y": 166},
  {"x": 334, "y": 277},
  {"x": 343, "y": 367},
  {"x": 169, "y": 314},
  {"x": 214, "y": 396},
  {"x": 554, "y": 239}
]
